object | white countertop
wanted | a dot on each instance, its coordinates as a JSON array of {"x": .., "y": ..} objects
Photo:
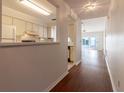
[{"x": 26, "y": 44}]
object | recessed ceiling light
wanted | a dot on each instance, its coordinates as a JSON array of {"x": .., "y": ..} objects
[
  {"x": 31, "y": 4},
  {"x": 90, "y": 6}
]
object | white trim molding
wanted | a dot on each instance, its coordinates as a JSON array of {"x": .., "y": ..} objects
[
  {"x": 111, "y": 78},
  {"x": 51, "y": 86},
  {"x": 77, "y": 63}
]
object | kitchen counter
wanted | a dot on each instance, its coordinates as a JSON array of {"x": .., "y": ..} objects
[{"x": 26, "y": 44}]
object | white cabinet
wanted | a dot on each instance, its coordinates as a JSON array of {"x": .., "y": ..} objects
[{"x": 8, "y": 33}]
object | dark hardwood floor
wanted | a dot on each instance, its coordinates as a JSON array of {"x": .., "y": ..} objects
[{"x": 89, "y": 76}]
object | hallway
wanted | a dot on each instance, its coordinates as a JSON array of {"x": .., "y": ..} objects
[{"x": 89, "y": 76}]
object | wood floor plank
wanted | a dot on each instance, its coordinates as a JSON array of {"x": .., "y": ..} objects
[{"x": 89, "y": 76}]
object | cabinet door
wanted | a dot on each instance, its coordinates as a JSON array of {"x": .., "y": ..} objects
[
  {"x": 29, "y": 26},
  {"x": 41, "y": 32},
  {"x": 20, "y": 27},
  {"x": 8, "y": 33},
  {"x": 6, "y": 20},
  {"x": 35, "y": 28}
]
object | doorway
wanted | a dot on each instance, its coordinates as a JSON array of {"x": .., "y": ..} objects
[{"x": 71, "y": 42}]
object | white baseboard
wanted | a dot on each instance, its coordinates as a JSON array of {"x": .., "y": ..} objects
[
  {"x": 111, "y": 78},
  {"x": 72, "y": 65},
  {"x": 77, "y": 63},
  {"x": 56, "y": 82}
]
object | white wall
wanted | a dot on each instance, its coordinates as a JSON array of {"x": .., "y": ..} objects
[
  {"x": 78, "y": 41},
  {"x": 36, "y": 68},
  {"x": 94, "y": 24},
  {"x": 99, "y": 38},
  {"x": 72, "y": 32},
  {"x": 0, "y": 17},
  {"x": 115, "y": 44},
  {"x": 31, "y": 68}
]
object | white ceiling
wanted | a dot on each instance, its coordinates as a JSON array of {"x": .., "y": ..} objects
[
  {"x": 77, "y": 6},
  {"x": 15, "y": 4},
  {"x": 94, "y": 25}
]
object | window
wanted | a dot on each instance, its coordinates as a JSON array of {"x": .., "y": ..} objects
[
  {"x": 89, "y": 42},
  {"x": 86, "y": 41},
  {"x": 93, "y": 42}
]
